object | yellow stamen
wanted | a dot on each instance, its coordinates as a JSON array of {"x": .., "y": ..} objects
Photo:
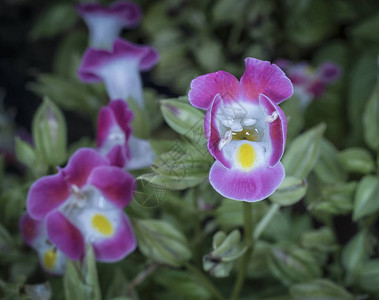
[
  {"x": 102, "y": 225},
  {"x": 246, "y": 156},
  {"x": 49, "y": 259}
]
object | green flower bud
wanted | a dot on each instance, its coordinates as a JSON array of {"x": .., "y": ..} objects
[{"x": 49, "y": 133}]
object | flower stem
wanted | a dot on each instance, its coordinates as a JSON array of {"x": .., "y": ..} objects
[
  {"x": 205, "y": 281},
  {"x": 261, "y": 226},
  {"x": 248, "y": 236}
]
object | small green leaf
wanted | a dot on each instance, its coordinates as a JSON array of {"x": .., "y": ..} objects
[
  {"x": 161, "y": 242},
  {"x": 172, "y": 182},
  {"x": 90, "y": 273},
  {"x": 322, "y": 240},
  {"x": 319, "y": 289},
  {"x": 54, "y": 20},
  {"x": 303, "y": 153},
  {"x": 25, "y": 153},
  {"x": 290, "y": 191},
  {"x": 368, "y": 277},
  {"x": 139, "y": 123},
  {"x": 371, "y": 119},
  {"x": 357, "y": 160},
  {"x": 366, "y": 197},
  {"x": 74, "y": 287}
]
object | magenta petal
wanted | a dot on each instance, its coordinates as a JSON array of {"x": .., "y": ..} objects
[
  {"x": 46, "y": 194},
  {"x": 123, "y": 115},
  {"x": 115, "y": 184},
  {"x": 118, "y": 246},
  {"x": 118, "y": 155},
  {"x": 30, "y": 229},
  {"x": 63, "y": 234},
  {"x": 277, "y": 130},
  {"x": 105, "y": 122},
  {"x": 329, "y": 72},
  {"x": 251, "y": 186},
  {"x": 81, "y": 164},
  {"x": 212, "y": 133},
  {"x": 204, "y": 89},
  {"x": 262, "y": 77}
]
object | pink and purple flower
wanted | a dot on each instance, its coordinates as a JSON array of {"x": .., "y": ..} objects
[
  {"x": 106, "y": 23},
  {"x": 245, "y": 128},
  {"x": 83, "y": 203},
  {"x": 119, "y": 69},
  {"x": 115, "y": 139},
  {"x": 34, "y": 234}
]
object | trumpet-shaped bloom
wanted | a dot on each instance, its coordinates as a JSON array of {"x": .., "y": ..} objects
[
  {"x": 106, "y": 23},
  {"x": 310, "y": 83},
  {"x": 83, "y": 203},
  {"x": 245, "y": 128},
  {"x": 115, "y": 141},
  {"x": 34, "y": 234},
  {"x": 119, "y": 69}
]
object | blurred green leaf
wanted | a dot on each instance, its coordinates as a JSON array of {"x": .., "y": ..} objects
[
  {"x": 55, "y": 19},
  {"x": 140, "y": 124},
  {"x": 319, "y": 289},
  {"x": 161, "y": 242},
  {"x": 303, "y": 153},
  {"x": 74, "y": 287},
  {"x": 371, "y": 119},
  {"x": 369, "y": 276},
  {"x": 172, "y": 182},
  {"x": 366, "y": 197},
  {"x": 322, "y": 239},
  {"x": 290, "y": 191},
  {"x": 25, "y": 153},
  {"x": 356, "y": 160},
  {"x": 366, "y": 29}
]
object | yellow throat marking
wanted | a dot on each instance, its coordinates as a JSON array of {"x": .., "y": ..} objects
[
  {"x": 49, "y": 259},
  {"x": 102, "y": 225},
  {"x": 246, "y": 156}
]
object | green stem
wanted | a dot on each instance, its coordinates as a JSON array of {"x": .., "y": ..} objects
[
  {"x": 248, "y": 236},
  {"x": 261, "y": 226},
  {"x": 205, "y": 281}
]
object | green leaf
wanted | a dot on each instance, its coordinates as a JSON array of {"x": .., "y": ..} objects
[
  {"x": 49, "y": 133},
  {"x": 172, "y": 182},
  {"x": 329, "y": 169},
  {"x": 303, "y": 153},
  {"x": 290, "y": 191},
  {"x": 74, "y": 287},
  {"x": 366, "y": 197},
  {"x": 368, "y": 277},
  {"x": 161, "y": 242},
  {"x": 25, "y": 153},
  {"x": 322, "y": 240},
  {"x": 371, "y": 119},
  {"x": 357, "y": 160},
  {"x": 319, "y": 289},
  {"x": 366, "y": 29},
  {"x": 139, "y": 123},
  {"x": 209, "y": 54},
  {"x": 57, "y": 18},
  {"x": 90, "y": 273}
]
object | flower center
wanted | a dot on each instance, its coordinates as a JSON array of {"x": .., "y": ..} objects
[
  {"x": 246, "y": 156},
  {"x": 102, "y": 225},
  {"x": 50, "y": 258}
]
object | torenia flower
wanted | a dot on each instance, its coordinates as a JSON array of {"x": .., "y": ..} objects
[
  {"x": 245, "y": 128},
  {"x": 82, "y": 204},
  {"x": 33, "y": 233},
  {"x": 310, "y": 83},
  {"x": 106, "y": 23},
  {"x": 119, "y": 69},
  {"x": 114, "y": 139}
]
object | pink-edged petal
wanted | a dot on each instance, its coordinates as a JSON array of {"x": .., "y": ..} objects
[
  {"x": 115, "y": 184},
  {"x": 251, "y": 186},
  {"x": 30, "y": 229},
  {"x": 262, "y": 77},
  {"x": 62, "y": 233},
  {"x": 46, "y": 194},
  {"x": 204, "y": 89},
  {"x": 93, "y": 59},
  {"x": 122, "y": 243},
  {"x": 105, "y": 122},
  {"x": 146, "y": 55},
  {"x": 123, "y": 116},
  {"x": 277, "y": 130},
  {"x": 212, "y": 133},
  {"x": 81, "y": 165},
  {"x": 118, "y": 156}
]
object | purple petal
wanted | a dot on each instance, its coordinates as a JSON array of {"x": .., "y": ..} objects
[
  {"x": 316, "y": 88},
  {"x": 118, "y": 156},
  {"x": 64, "y": 235},
  {"x": 329, "y": 72},
  {"x": 212, "y": 133},
  {"x": 46, "y": 194},
  {"x": 251, "y": 186},
  {"x": 262, "y": 77},
  {"x": 30, "y": 229},
  {"x": 115, "y": 184},
  {"x": 105, "y": 122},
  {"x": 204, "y": 89},
  {"x": 119, "y": 245},
  {"x": 277, "y": 130},
  {"x": 123, "y": 115},
  {"x": 81, "y": 165}
]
